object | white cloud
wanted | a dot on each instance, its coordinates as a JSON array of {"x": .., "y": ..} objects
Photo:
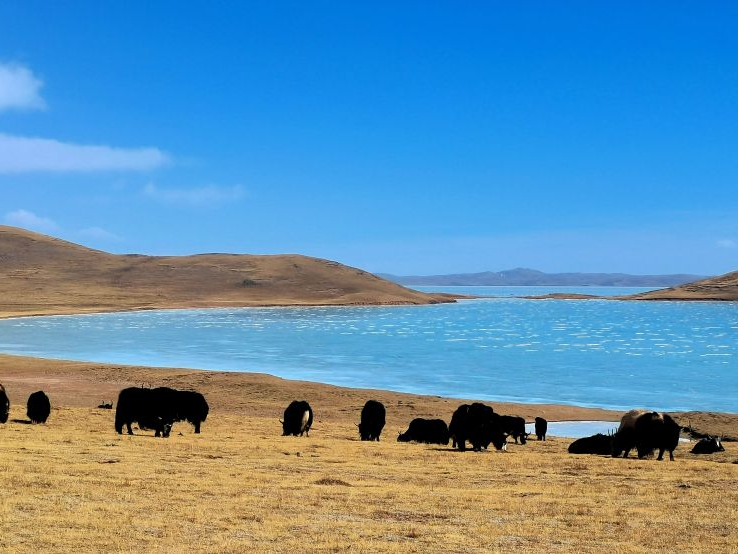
[
  {"x": 198, "y": 196},
  {"x": 98, "y": 233},
  {"x": 19, "y": 88},
  {"x": 22, "y": 154},
  {"x": 727, "y": 243},
  {"x": 29, "y": 220}
]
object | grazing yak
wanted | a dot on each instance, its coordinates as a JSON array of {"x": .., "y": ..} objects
[
  {"x": 38, "y": 407},
  {"x": 429, "y": 431},
  {"x": 515, "y": 427},
  {"x": 646, "y": 431},
  {"x": 140, "y": 405},
  {"x": 478, "y": 424},
  {"x": 4, "y": 405},
  {"x": 596, "y": 444},
  {"x": 158, "y": 409},
  {"x": 541, "y": 428},
  {"x": 298, "y": 418},
  {"x": 372, "y": 420},
  {"x": 708, "y": 445},
  {"x": 184, "y": 405}
]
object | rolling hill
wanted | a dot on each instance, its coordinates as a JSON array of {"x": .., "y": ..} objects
[
  {"x": 44, "y": 275},
  {"x": 722, "y": 287}
]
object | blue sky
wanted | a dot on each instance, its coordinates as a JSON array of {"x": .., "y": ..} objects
[{"x": 414, "y": 137}]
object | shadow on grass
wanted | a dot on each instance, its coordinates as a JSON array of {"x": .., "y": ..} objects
[{"x": 22, "y": 421}]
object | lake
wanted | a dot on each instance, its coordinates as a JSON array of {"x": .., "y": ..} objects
[{"x": 599, "y": 353}]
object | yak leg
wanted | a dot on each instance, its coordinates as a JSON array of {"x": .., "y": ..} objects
[
  {"x": 197, "y": 427},
  {"x": 661, "y": 454},
  {"x": 671, "y": 455},
  {"x": 128, "y": 425}
]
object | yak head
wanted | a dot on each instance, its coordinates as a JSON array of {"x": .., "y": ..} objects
[
  {"x": 524, "y": 438},
  {"x": 617, "y": 444},
  {"x": 363, "y": 432}
]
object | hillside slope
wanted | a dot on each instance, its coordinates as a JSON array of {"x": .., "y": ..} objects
[
  {"x": 44, "y": 275},
  {"x": 723, "y": 287}
]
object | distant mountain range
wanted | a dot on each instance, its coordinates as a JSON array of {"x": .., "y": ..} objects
[{"x": 530, "y": 277}]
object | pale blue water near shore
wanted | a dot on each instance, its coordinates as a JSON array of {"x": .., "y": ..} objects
[{"x": 663, "y": 355}]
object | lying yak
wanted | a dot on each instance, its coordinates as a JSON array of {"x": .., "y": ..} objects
[
  {"x": 596, "y": 444},
  {"x": 708, "y": 445},
  {"x": 38, "y": 407},
  {"x": 429, "y": 431},
  {"x": 4, "y": 405},
  {"x": 372, "y": 420},
  {"x": 298, "y": 418},
  {"x": 514, "y": 426},
  {"x": 646, "y": 431},
  {"x": 478, "y": 424},
  {"x": 541, "y": 428}
]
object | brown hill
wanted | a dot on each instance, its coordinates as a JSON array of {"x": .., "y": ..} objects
[
  {"x": 45, "y": 275},
  {"x": 723, "y": 287}
]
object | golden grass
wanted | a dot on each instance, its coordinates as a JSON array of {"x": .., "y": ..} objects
[{"x": 74, "y": 485}]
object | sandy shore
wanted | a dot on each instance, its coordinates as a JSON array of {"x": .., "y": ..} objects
[{"x": 85, "y": 385}]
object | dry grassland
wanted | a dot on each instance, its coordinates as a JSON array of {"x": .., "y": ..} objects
[
  {"x": 73, "y": 485},
  {"x": 44, "y": 275}
]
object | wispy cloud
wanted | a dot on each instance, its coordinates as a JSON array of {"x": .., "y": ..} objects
[
  {"x": 22, "y": 154},
  {"x": 19, "y": 88},
  {"x": 98, "y": 233},
  {"x": 26, "y": 219},
  {"x": 198, "y": 196},
  {"x": 29, "y": 220},
  {"x": 727, "y": 243}
]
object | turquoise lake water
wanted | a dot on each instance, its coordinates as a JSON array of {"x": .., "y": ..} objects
[{"x": 661, "y": 355}]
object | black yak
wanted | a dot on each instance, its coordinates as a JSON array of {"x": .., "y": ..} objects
[
  {"x": 515, "y": 427},
  {"x": 596, "y": 444},
  {"x": 541, "y": 428},
  {"x": 298, "y": 418},
  {"x": 182, "y": 405},
  {"x": 372, "y": 420},
  {"x": 624, "y": 439},
  {"x": 136, "y": 404},
  {"x": 429, "y": 431},
  {"x": 38, "y": 407},
  {"x": 478, "y": 424},
  {"x": 708, "y": 445},
  {"x": 651, "y": 431},
  {"x": 4, "y": 405}
]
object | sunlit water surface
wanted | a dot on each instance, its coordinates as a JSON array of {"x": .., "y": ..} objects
[{"x": 663, "y": 355}]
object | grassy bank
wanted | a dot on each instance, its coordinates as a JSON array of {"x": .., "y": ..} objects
[{"x": 73, "y": 484}]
